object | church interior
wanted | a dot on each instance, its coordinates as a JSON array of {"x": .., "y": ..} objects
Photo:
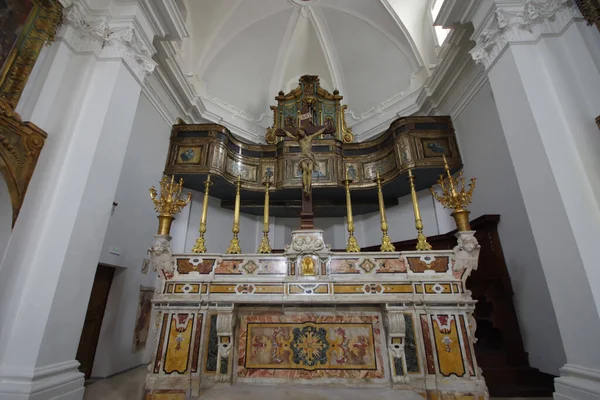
[{"x": 324, "y": 199}]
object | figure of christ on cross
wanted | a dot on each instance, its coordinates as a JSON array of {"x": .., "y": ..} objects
[{"x": 304, "y": 134}]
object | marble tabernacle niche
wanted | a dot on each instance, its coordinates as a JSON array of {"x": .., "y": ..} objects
[{"x": 397, "y": 319}]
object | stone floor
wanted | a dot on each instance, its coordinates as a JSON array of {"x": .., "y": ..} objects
[{"x": 130, "y": 385}]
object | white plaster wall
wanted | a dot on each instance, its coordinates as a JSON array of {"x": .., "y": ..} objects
[
  {"x": 282, "y": 233},
  {"x": 367, "y": 228},
  {"x": 131, "y": 228},
  {"x": 5, "y": 217},
  {"x": 485, "y": 156},
  {"x": 219, "y": 222},
  {"x": 401, "y": 221}
]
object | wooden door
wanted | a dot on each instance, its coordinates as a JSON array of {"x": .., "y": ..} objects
[{"x": 93, "y": 319}]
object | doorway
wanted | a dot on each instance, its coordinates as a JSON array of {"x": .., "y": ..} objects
[{"x": 93, "y": 318}]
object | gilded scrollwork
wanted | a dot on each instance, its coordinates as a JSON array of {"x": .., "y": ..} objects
[
  {"x": 22, "y": 142},
  {"x": 40, "y": 28}
]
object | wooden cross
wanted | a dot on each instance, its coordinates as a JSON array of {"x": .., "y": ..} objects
[{"x": 305, "y": 123}]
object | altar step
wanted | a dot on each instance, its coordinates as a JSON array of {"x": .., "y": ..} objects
[{"x": 243, "y": 391}]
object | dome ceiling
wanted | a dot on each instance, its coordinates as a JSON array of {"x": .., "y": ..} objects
[{"x": 240, "y": 54}]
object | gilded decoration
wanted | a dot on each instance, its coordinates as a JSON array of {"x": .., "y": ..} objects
[
  {"x": 24, "y": 29},
  {"x": 321, "y": 345},
  {"x": 330, "y": 162},
  {"x": 325, "y": 110}
]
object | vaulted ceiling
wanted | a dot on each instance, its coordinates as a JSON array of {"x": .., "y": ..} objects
[{"x": 240, "y": 53}]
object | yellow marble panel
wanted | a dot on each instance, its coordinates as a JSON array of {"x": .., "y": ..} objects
[
  {"x": 445, "y": 286},
  {"x": 178, "y": 344},
  {"x": 269, "y": 289},
  {"x": 399, "y": 288},
  {"x": 348, "y": 289},
  {"x": 447, "y": 343},
  {"x": 222, "y": 288},
  {"x": 194, "y": 288}
]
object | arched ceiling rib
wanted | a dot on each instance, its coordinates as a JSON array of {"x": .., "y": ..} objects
[{"x": 241, "y": 53}]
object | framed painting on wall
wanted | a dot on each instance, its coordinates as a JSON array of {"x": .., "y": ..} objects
[
  {"x": 25, "y": 27},
  {"x": 142, "y": 320}
]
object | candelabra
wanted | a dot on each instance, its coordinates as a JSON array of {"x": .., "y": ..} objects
[
  {"x": 422, "y": 244},
  {"x": 200, "y": 246},
  {"x": 265, "y": 246},
  {"x": 234, "y": 244},
  {"x": 386, "y": 244},
  {"x": 454, "y": 198},
  {"x": 168, "y": 203},
  {"x": 352, "y": 243}
]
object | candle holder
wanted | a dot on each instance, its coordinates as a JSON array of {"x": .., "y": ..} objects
[
  {"x": 168, "y": 203},
  {"x": 265, "y": 246},
  {"x": 234, "y": 244},
  {"x": 200, "y": 246},
  {"x": 352, "y": 246},
  {"x": 422, "y": 244},
  {"x": 454, "y": 198},
  {"x": 386, "y": 243}
]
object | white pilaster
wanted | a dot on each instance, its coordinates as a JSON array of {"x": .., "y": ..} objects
[
  {"x": 84, "y": 93},
  {"x": 543, "y": 70}
]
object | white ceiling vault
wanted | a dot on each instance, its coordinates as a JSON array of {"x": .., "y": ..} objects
[{"x": 379, "y": 54}]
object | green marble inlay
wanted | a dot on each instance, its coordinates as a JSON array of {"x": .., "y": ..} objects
[
  {"x": 224, "y": 362},
  {"x": 213, "y": 346},
  {"x": 410, "y": 346},
  {"x": 398, "y": 366}
]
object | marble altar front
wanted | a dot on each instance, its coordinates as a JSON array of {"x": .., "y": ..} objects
[{"x": 310, "y": 315}]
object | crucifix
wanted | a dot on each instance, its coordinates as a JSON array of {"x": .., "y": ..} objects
[{"x": 304, "y": 133}]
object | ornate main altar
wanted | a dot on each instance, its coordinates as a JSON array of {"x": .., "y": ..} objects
[{"x": 313, "y": 315}]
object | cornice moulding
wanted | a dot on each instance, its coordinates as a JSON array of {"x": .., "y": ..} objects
[
  {"x": 456, "y": 12},
  {"x": 108, "y": 37},
  {"x": 512, "y": 22}
]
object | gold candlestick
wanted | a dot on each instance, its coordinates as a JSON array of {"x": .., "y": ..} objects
[
  {"x": 265, "y": 246},
  {"x": 234, "y": 245},
  {"x": 386, "y": 243},
  {"x": 422, "y": 244},
  {"x": 352, "y": 246},
  {"x": 169, "y": 203},
  {"x": 200, "y": 246},
  {"x": 454, "y": 198}
]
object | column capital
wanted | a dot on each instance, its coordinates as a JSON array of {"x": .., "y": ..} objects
[
  {"x": 109, "y": 34},
  {"x": 518, "y": 21}
]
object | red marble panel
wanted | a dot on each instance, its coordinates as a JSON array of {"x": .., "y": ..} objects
[
  {"x": 184, "y": 266},
  {"x": 161, "y": 341},
  {"x": 440, "y": 264},
  {"x": 349, "y": 266},
  {"x": 467, "y": 342},
  {"x": 428, "y": 347},
  {"x": 391, "y": 265},
  {"x": 196, "y": 354},
  {"x": 229, "y": 267}
]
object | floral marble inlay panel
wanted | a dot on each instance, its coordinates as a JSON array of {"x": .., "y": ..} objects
[{"x": 310, "y": 346}]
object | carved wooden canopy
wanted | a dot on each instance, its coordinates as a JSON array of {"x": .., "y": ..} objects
[{"x": 410, "y": 142}]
